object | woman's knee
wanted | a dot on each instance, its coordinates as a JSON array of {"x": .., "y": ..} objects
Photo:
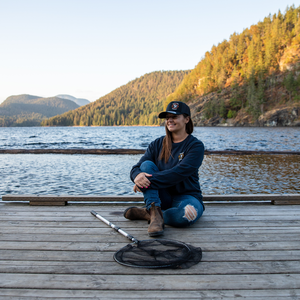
[
  {"x": 184, "y": 215},
  {"x": 148, "y": 166}
]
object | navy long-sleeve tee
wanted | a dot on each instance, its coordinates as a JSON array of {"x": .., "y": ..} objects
[{"x": 179, "y": 175}]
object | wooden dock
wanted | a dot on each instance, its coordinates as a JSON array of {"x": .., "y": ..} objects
[{"x": 250, "y": 251}]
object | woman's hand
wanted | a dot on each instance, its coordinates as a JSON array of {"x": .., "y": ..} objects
[
  {"x": 136, "y": 189},
  {"x": 141, "y": 180}
]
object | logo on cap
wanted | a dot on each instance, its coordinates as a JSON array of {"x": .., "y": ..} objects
[{"x": 175, "y": 106}]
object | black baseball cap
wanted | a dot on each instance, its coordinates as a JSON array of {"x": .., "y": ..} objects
[{"x": 175, "y": 108}]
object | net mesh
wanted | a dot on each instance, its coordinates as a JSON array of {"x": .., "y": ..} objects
[{"x": 159, "y": 253}]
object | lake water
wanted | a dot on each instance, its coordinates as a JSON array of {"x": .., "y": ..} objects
[
  {"x": 214, "y": 138},
  {"x": 57, "y": 174}
]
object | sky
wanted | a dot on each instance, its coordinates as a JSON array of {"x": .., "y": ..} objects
[{"x": 88, "y": 48}]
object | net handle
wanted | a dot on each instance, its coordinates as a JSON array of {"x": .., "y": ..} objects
[{"x": 118, "y": 229}]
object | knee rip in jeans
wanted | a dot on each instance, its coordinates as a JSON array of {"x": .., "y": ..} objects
[{"x": 190, "y": 213}]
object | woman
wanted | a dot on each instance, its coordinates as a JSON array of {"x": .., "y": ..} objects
[{"x": 167, "y": 175}]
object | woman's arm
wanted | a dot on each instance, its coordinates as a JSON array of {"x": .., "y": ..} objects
[{"x": 149, "y": 155}]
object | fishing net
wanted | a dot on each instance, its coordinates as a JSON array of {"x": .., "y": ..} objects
[
  {"x": 159, "y": 253},
  {"x": 155, "y": 253}
]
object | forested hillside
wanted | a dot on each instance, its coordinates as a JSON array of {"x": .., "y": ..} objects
[
  {"x": 252, "y": 73},
  {"x": 136, "y": 103},
  {"x": 28, "y": 110}
]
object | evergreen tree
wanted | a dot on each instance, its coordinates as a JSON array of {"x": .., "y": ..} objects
[
  {"x": 252, "y": 101},
  {"x": 260, "y": 93},
  {"x": 290, "y": 84},
  {"x": 236, "y": 100}
]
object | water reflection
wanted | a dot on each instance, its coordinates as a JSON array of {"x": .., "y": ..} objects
[
  {"x": 58, "y": 174},
  {"x": 250, "y": 174}
]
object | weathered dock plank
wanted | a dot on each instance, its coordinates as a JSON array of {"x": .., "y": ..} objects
[
  {"x": 64, "y": 199},
  {"x": 87, "y": 237},
  {"x": 137, "y": 282},
  {"x": 112, "y": 246},
  {"x": 98, "y": 256},
  {"x": 110, "y": 267},
  {"x": 205, "y": 294}
]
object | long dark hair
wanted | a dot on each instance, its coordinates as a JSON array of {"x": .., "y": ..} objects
[{"x": 167, "y": 141}]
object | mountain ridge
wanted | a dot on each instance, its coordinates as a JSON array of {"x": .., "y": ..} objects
[{"x": 29, "y": 110}]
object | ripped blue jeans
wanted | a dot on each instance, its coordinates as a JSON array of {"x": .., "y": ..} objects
[{"x": 178, "y": 210}]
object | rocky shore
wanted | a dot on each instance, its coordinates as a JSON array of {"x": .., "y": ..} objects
[{"x": 286, "y": 114}]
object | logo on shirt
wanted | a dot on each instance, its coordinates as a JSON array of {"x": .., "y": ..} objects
[
  {"x": 175, "y": 106},
  {"x": 181, "y": 156}
]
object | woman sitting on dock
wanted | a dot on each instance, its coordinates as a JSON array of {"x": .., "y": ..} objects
[{"x": 167, "y": 175}]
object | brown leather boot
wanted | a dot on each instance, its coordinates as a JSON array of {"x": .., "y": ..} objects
[
  {"x": 156, "y": 226},
  {"x": 137, "y": 213}
]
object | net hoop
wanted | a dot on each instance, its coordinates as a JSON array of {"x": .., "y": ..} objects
[{"x": 158, "y": 253}]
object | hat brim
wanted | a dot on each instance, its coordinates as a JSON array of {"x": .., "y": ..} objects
[{"x": 163, "y": 114}]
